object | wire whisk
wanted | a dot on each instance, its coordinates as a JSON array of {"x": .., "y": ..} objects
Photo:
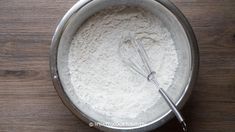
[{"x": 134, "y": 55}]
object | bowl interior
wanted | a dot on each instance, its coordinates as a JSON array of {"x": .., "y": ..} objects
[{"x": 183, "y": 73}]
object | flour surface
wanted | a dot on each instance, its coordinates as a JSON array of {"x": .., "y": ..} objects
[{"x": 99, "y": 77}]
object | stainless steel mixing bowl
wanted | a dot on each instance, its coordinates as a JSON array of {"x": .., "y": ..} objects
[{"x": 184, "y": 39}]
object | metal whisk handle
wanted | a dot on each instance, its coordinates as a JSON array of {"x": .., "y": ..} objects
[
  {"x": 174, "y": 109},
  {"x": 151, "y": 77}
]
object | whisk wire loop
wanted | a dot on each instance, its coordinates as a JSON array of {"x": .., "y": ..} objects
[{"x": 139, "y": 60}]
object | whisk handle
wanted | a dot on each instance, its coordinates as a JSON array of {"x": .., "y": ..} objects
[{"x": 174, "y": 109}]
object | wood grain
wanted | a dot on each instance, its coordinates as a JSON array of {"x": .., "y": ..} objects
[{"x": 29, "y": 103}]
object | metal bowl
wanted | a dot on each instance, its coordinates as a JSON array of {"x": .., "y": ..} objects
[{"x": 182, "y": 34}]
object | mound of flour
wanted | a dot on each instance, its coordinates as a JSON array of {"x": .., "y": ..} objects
[{"x": 99, "y": 77}]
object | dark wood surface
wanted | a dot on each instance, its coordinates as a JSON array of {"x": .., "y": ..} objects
[{"x": 29, "y": 103}]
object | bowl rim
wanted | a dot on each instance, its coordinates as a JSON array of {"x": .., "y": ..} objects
[{"x": 155, "y": 124}]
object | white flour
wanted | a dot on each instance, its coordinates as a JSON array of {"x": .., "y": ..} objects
[{"x": 98, "y": 75}]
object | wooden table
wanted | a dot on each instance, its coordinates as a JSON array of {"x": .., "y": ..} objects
[{"x": 29, "y": 103}]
